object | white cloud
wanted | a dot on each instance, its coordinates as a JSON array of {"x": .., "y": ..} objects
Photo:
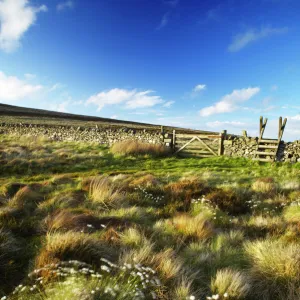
[
  {"x": 243, "y": 39},
  {"x": 114, "y": 117},
  {"x": 65, "y": 5},
  {"x": 130, "y": 98},
  {"x": 169, "y": 104},
  {"x": 14, "y": 89},
  {"x": 16, "y": 17},
  {"x": 62, "y": 107},
  {"x": 55, "y": 87},
  {"x": 199, "y": 87},
  {"x": 274, "y": 87},
  {"x": 229, "y": 102}
]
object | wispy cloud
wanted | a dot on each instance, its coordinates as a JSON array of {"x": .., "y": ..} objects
[
  {"x": 168, "y": 104},
  {"x": 164, "y": 21},
  {"x": 244, "y": 39},
  {"x": 131, "y": 99},
  {"x": 16, "y": 17},
  {"x": 13, "y": 89},
  {"x": 61, "y": 107},
  {"x": 65, "y": 5},
  {"x": 199, "y": 87},
  {"x": 229, "y": 103}
]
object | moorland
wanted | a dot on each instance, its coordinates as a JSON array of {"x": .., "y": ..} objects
[
  {"x": 86, "y": 221},
  {"x": 131, "y": 221}
]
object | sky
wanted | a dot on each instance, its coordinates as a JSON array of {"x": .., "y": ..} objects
[{"x": 208, "y": 65}]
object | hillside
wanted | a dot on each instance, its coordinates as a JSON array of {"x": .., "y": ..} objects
[{"x": 17, "y": 114}]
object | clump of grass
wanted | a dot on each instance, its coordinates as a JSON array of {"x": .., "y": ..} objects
[
  {"x": 65, "y": 220},
  {"x": 260, "y": 225},
  {"x": 196, "y": 227},
  {"x": 133, "y": 237},
  {"x": 78, "y": 280},
  {"x": 103, "y": 191},
  {"x": 228, "y": 201},
  {"x": 145, "y": 181},
  {"x": 72, "y": 245},
  {"x": 25, "y": 198},
  {"x": 230, "y": 284},
  {"x": 275, "y": 268},
  {"x": 168, "y": 264},
  {"x": 183, "y": 289},
  {"x": 10, "y": 189},
  {"x": 265, "y": 185},
  {"x": 139, "y": 255},
  {"x": 292, "y": 212},
  {"x": 68, "y": 199},
  {"x": 132, "y": 147},
  {"x": 188, "y": 188}
]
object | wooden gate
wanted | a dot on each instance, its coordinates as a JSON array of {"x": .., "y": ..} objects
[{"x": 198, "y": 145}]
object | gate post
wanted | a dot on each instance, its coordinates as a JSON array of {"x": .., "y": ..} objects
[
  {"x": 221, "y": 142},
  {"x": 173, "y": 140}
]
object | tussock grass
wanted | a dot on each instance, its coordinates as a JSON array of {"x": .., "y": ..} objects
[
  {"x": 183, "y": 289},
  {"x": 228, "y": 200},
  {"x": 102, "y": 191},
  {"x": 72, "y": 245},
  {"x": 230, "y": 284},
  {"x": 26, "y": 198},
  {"x": 132, "y": 147},
  {"x": 139, "y": 255},
  {"x": 292, "y": 213},
  {"x": 275, "y": 267},
  {"x": 145, "y": 181},
  {"x": 168, "y": 264},
  {"x": 11, "y": 188},
  {"x": 265, "y": 185},
  {"x": 197, "y": 227},
  {"x": 133, "y": 237},
  {"x": 68, "y": 199}
]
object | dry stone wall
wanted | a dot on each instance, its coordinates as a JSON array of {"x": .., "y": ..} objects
[
  {"x": 234, "y": 146},
  {"x": 69, "y": 133},
  {"x": 237, "y": 146}
]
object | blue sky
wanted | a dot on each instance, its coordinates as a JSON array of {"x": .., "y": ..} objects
[{"x": 200, "y": 64}]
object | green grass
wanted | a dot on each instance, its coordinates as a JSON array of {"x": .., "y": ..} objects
[{"x": 217, "y": 227}]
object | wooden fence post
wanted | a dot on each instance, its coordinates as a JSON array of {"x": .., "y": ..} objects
[
  {"x": 221, "y": 142},
  {"x": 173, "y": 140}
]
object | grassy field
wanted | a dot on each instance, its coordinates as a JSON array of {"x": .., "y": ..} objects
[{"x": 78, "y": 221}]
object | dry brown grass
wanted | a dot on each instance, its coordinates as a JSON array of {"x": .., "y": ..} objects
[
  {"x": 145, "y": 181},
  {"x": 228, "y": 201},
  {"x": 65, "y": 220},
  {"x": 275, "y": 268},
  {"x": 167, "y": 263},
  {"x": 265, "y": 185},
  {"x": 26, "y": 198},
  {"x": 198, "y": 227},
  {"x": 72, "y": 245},
  {"x": 231, "y": 283},
  {"x": 103, "y": 191},
  {"x": 133, "y": 147}
]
